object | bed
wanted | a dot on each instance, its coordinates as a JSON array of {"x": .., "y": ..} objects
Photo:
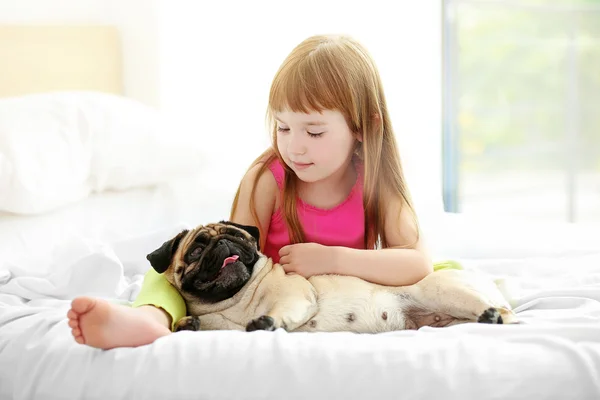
[{"x": 92, "y": 238}]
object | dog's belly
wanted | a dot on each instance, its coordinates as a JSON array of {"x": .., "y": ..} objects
[{"x": 350, "y": 304}]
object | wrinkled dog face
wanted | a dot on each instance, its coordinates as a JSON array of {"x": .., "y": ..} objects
[{"x": 210, "y": 263}]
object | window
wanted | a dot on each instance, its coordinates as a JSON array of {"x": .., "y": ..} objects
[{"x": 522, "y": 109}]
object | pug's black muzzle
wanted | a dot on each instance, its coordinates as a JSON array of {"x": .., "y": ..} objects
[
  {"x": 212, "y": 263},
  {"x": 211, "y": 280}
]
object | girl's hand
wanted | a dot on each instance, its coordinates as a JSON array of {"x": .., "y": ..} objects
[{"x": 307, "y": 259}]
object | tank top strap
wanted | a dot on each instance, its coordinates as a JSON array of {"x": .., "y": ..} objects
[{"x": 278, "y": 172}]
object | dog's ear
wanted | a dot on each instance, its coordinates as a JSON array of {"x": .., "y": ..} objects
[
  {"x": 251, "y": 229},
  {"x": 160, "y": 259}
]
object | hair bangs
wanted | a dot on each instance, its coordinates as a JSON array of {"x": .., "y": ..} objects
[{"x": 305, "y": 86}]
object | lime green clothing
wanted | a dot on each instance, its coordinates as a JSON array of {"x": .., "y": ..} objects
[
  {"x": 446, "y": 264},
  {"x": 158, "y": 292}
]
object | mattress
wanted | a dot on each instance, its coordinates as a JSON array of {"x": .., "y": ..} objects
[{"x": 550, "y": 274}]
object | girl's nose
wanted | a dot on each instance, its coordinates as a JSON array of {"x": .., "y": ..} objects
[{"x": 296, "y": 145}]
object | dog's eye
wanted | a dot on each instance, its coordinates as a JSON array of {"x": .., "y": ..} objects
[{"x": 196, "y": 253}]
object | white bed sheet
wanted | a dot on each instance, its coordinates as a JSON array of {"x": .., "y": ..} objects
[{"x": 98, "y": 247}]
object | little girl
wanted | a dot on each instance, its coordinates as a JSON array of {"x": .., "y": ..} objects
[{"x": 329, "y": 197}]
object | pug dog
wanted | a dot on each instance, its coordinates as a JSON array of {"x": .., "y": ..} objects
[{"x": 227, "y": 283}]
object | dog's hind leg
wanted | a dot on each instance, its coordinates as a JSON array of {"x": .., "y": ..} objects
[{"x": 456, "y": 296}]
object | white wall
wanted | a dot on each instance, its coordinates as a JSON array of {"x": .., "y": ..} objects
[
  {"x": 210, "y": 64},
  {"x": 34, "y": 11},
  {"x": 137, "y": 24},
  {"x": 218, "y": 59}
]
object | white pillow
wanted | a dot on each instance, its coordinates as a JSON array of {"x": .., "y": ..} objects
[{"x": 56, "y": 148}]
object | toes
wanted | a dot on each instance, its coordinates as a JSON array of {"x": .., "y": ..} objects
[
  {"x": 81, "y": 305},
  {"x": 73, "y": 323},
  {"x": 76, "y": 332},
  {"x": 72, "y": 314}
]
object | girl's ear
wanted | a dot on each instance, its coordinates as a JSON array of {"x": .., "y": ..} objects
[{"x": 376, "y": 119}]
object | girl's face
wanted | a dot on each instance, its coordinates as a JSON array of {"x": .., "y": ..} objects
[{"x": 314, "y": 145}]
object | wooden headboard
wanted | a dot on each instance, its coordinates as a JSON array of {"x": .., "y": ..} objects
[{"x": 36, "y": 59}]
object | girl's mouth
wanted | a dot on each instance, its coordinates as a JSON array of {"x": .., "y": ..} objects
[{"x": 301, "y": 166}]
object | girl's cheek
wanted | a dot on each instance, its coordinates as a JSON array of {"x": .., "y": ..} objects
[{"x": 280, "y": 142}]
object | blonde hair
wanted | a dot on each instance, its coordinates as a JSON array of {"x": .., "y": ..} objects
[{"x": 336, "y": 73}]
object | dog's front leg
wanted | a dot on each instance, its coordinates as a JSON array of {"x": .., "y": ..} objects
[
  {"x": 208, "y": 322},
  {"x": 189, "y": 323},
  {"x": 289, "y": 312}
]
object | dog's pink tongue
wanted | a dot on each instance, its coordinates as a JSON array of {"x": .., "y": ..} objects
[{"x": 229, "y": 260}]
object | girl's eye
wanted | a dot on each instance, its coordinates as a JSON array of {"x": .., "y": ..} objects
[
  {"x": 280, "y": 129},
  {"x": 314, "y": 134}
]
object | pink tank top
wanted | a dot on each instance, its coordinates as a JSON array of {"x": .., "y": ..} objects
[{"x": 342, "y": 225}]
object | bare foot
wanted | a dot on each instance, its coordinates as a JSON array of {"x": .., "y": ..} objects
[{"x": 104, "y": 325}]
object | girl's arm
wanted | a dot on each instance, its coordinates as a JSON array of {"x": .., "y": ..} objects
[
  {"x": 265, "y": 198},
  {"x": 393, "y": 266}
]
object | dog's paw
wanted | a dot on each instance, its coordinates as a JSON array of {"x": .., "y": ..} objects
[
  {"x": 190, "y": 323},
  {"x": 262, "y": 323},
  {"x": 490, "y": 316}
]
